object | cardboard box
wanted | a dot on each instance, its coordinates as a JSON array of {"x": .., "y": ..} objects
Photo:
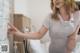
[{"x": 21, "y": 22}]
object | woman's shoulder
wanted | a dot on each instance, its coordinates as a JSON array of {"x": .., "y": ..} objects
[{"x": 48, "y": 16}]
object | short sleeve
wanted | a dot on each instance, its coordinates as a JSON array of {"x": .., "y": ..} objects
[{"x": 46, "y": 22}]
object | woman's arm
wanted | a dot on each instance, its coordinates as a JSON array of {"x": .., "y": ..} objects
[
  {"x": 72, "y": 40},
  {"x": 71, "y": 43},
  {"x": 35, "y": 35},
  {"x": 30, "y": 35}
]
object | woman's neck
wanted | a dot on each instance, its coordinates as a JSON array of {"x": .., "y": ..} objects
[{"x": 64, "y": 14}]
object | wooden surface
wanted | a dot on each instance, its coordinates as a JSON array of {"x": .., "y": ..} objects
[{"x": 21, "y": 22}]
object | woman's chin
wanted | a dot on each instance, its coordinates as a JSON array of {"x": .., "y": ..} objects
[{"x": 58, "y": 7}]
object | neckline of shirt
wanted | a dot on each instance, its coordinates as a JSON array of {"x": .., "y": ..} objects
[
  {"x": 70, "y": 21},
  {"x": 62, "y": 20}
]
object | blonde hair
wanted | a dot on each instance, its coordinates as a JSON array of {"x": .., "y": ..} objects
[{"x": 70, "y": 7}]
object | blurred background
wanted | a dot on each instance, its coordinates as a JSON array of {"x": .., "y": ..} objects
[{"x": 27, "y": 16}]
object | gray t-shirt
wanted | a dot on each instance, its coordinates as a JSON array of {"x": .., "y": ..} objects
[{"x": 60, "y": 30}]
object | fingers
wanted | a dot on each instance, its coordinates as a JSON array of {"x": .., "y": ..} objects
[
  {"x": 13, "y": 27},
  {"x": 10, "y": 31}
]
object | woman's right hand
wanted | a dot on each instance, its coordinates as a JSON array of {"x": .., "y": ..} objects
[{"x": 13, "y": 30}]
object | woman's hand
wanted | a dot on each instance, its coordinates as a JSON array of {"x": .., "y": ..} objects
[
  {"x": 13, "y": 30},
  {"x": 72, "y": 40}
]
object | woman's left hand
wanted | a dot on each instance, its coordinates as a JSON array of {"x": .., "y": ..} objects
[{"x": 13, "y": 30}]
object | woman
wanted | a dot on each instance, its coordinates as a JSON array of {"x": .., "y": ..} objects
[{"x": 62, "y": 24}]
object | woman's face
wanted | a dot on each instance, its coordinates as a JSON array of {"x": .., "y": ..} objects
[{"x": 58, "y": 3}]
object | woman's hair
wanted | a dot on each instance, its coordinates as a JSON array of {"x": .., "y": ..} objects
[{"x": 70, "y": 7}]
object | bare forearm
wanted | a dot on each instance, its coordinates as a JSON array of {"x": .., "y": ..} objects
[
  {"x": 71, "y": 45},
  {"x": 31, "y": 35},
  {"x": 35, "y": 35}
]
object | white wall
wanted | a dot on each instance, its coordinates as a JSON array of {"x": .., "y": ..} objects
[
  {"x": 21, "y": 7},
  {"x": 38, "y": 9}
]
